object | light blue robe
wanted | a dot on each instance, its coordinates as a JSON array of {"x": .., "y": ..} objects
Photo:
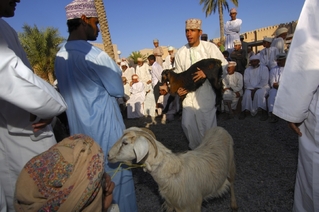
[{"x": 90, "y": 81}]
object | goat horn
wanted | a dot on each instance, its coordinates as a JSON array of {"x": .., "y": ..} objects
[{"x": 151, "y": 139}]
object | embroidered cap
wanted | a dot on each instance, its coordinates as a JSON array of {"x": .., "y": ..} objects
[
  {"x": 233, "y": 10},
  {"x": 193, "y": 24},
  {"x": 237, "y": 42},
  {"x": 77, "y": 8}
]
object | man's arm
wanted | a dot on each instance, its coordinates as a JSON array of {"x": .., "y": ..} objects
[{"x": 21, "y": 87}]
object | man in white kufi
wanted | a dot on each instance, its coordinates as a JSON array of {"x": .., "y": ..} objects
[
  {"x": 256, "y": 82},
  {"x": 143, "y": 71},
  {"x": 279, "y": 41},
  {"x": 232, "y": 29},
  {"x": 168, "y": 63},
  {"x": 135, "y": 103},
  {"x": 199, "y": 110},
  {"x": 268, "y": 54}
]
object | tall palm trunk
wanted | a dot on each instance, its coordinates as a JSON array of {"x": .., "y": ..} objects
[
  {"x": 106, "y": 36},
  {"x": 221, "y": 22}
]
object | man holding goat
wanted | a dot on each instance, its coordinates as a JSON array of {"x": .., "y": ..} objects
[{"x": 199, "y": 111}]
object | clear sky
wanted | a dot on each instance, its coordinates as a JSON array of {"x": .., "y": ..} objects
[{"x": 134, "y": 24}]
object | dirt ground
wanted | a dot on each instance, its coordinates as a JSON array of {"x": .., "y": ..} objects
[{"x": 266, "y": 160}]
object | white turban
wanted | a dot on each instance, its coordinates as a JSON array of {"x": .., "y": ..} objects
[
  {"x": 124, "y": 64},
  {"x": 255, "y": 57},
  {"x": 268, "y": 39},
  {"x": 170, "y": 48},
  {"x": 281, "y": 31},
  {"x": 232, "y": 63}
]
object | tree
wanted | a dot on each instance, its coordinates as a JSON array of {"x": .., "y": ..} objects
[
  {"x": 106, "y": 36},
  {"x": 211, "y": 6},
  {"x": 134, "y": 55},
  {"x": 41, "y": 47}
]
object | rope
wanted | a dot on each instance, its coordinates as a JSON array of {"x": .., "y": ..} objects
[{"x": 130, "y": 166}]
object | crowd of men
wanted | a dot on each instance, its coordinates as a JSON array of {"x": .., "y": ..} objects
[
  {"x": 92, "y": 85},
  {"x": 251, "y": 80}
]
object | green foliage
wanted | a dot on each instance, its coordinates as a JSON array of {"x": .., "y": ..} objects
[
  {"x": 134, "y": 55},
  {"x": 41, "y": 47},
  {"x": 211, "y": 5}
]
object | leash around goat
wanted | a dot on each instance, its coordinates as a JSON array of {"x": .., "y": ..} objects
[{"x": 130, "y": 166}]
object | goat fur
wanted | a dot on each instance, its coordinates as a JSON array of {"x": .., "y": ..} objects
[
  {"x": 184, "y": 179},
  {"x": 212, "y": 69}
]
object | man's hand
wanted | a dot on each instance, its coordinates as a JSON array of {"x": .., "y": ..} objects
[
  {"x": 199, "y": 75},
  {"x": 182, "y": 91},
  {"x": 237, "y": 94},
  {"x": 41, "y": 124},
  {"x": 148, "y": 82},
  {"x": 275, "y": 85},
  {"x": 107, "y": 192},
  {"x": 295, "y": 127}
]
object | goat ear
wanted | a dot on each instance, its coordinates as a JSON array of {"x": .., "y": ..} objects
[{"x": 140, "y": 148}]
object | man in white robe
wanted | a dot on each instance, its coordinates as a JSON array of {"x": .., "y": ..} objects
[
  {"x": 256, "y": 80},
  {"x": 231, "y": 30},
  {"x": 279, "y": 41},
  {"x": 166, "y": 105},
  {"x": 199, "y": 111},
  {"x": 268, "y": 54},
  {"x": 168, "y": 63},
  {"x": 232, "y": 88},
  {"x": 158, "y": 52},
  {"x": 127, "y": 71},
  {"x": 28, "y": 105},
  {"x": 143, "y": 71},
  {"x": 274, "y": 79},
  {"x": 90, "y": 81},
  {"x": 134, "y": 105},
  {"x": 297, "y": 102},
  {"x": 122, "y": 100},
  {"x": 156, "y": 73}
]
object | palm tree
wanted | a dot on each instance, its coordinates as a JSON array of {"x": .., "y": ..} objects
[
  {"x": 211, "y": 6},
  {"x": 134, "y": 55},
  {"x": 41, "y": 47},
  {"x": 106, "y": 36}
]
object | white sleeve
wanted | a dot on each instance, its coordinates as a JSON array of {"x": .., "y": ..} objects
[
  {"x": 299, "y": 81},
  {"x": 21, "y": 87}
]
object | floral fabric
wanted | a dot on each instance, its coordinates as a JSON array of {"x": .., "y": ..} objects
[{"x": 67, "y": 177}]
